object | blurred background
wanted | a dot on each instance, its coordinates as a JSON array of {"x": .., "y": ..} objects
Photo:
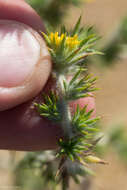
[{"x": 109, "y": 19}]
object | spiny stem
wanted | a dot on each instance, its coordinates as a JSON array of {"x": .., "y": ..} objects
[
  {"x": 65, "y": 179},
  {"x": 65, "y": 110},
  {"x": 65, "y": 124}
]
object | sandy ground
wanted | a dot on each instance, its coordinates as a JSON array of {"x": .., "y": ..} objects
[{"x": 111, "y": 100}]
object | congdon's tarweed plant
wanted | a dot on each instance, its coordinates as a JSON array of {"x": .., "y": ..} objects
[
  {"x": 69, "y": 51},
  {"x": 80, "y": 130}
]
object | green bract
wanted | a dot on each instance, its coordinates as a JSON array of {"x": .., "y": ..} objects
[
  {"x": 50, "y": 108},
  {"x": 79, "y": 86},
  {"x": 70, "y": 49}
]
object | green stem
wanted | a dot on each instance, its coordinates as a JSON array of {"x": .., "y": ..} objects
[
  {"x": 65, "y": 110},
  {"x": 64, "y": 186},
  {"x": 65, "y": 179}
]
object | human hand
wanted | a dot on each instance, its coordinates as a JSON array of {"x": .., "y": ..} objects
[{"x": 25, "y": 68}]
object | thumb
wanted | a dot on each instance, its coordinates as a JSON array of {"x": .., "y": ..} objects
[{"x": 25, "y": 63}]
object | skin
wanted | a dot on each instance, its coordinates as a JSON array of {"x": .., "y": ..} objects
[{"x": 21, "y": 128}]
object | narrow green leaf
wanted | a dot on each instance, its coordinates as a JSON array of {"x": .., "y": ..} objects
[
  {"x": 76, "y": 28},
  {"x": 45, "y": 114},
  {"x": 65, "y": 85},
  {"x": 62, "y": 45},
  {"x": 72, "y": 55},
  {"x": 86, "y": 40},
  {"x": 63, "y": 30},
  {"x": 75, "y": 77},
  {"x": 71, "y": 157},
  {"x": 88, "y": 114},
  {"x": 91, "y": 129},
  {"x": 46, "y": 38},
  {"x": 92, "y": 120}
]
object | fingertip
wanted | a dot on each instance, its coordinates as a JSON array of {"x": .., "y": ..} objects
[
  {"x": 88, "y": 101},
  {"x": 25, "y": 66}
]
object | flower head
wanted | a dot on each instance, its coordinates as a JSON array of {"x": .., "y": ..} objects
[
  {"x": 69, "y": 49},
  {"x": 70, "y": 41},
  {"x": 56, "y": 39}
]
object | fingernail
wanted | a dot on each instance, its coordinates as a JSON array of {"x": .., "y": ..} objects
[
  {"x": 19, "y": 53},
  {"x": 25, "y": 63}
]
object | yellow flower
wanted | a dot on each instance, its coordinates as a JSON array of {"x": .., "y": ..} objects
[
  {"x": 71, "y": 42},
  {"x": 56, "y": 39}
]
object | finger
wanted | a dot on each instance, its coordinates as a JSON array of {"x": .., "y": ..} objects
[
  {"x": 22, "y": 128},
  {"x": 25, "y": 63},
  {"x": 19, "y": 10},
  {"x": 89, "y": 101},
  {"x": 9, "y": 97}
]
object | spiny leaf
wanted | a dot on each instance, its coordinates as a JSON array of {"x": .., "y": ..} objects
[
  {"x": 75, "y": 77},
  {"x": 46, "y": 39},
  {"x": 50, "y": 108},
  {"x": 77, "y": 27},
  {"x": 82, "y": 121},
  {"x": 63, "y": 30}
]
